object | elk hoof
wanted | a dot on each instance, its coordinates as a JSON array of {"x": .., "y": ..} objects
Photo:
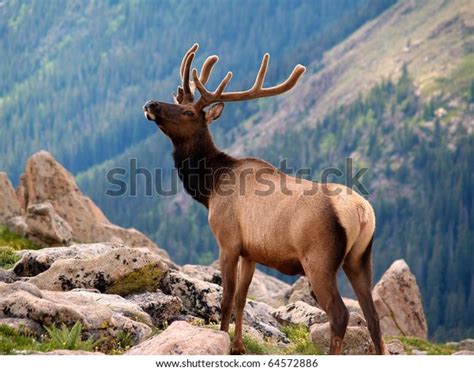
[{"x": 237, "y": 350}]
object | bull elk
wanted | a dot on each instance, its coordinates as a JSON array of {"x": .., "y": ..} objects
[{"x": 291, "y": 230}]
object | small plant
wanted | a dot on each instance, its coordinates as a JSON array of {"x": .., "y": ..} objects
[
  {"x": 71, "y": 339},
  {"x": 8, "y": 257},
  {"x": 302, "y": 344}
]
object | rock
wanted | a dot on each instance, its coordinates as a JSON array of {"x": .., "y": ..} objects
[
  {"x": 65, "y": 352},
  {"x": 466, "y": 344},
  {"x": 352, "y": 306},
  {"x": 18, "y": 225},
  {"x": 356, "y": 319},
  {"x": 395, "y": 347},
  {"x": 302, "y": 291},
  {"x": 7, "y": 276},
  {"x": 23, "y": 325},
  {"x": 34, "y": 262},
  {"x": 464, "y": 353},
  {"x": 398, "y": 302},
  {"x": 162, "y": 308},
  {"x": 121, "y": 271},
  {"x": 356, "y": 341},
  {"x": 45, "y": 227},
  {"x": 259, "y": 316},
  {"x": 299, "y": 313},
  {"x": 200, "y": 298},
  {"x": 45, "y": 180},
  {"x": 264, "y": 288},
  {"x": 417, "y": 352},
  {"x": 101, "y": 315},
  {"x": 9, "y": 205},
  {"x": 182, "y": 338}
]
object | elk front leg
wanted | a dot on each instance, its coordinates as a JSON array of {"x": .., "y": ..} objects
[
  {"x": 247, "y": 269},
  {"x": 228, "y": 263}
]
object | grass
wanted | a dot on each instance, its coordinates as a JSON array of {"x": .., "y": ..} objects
[
  {"x": 144, "y": 279},
  {"x": 413, "y": 343},
  {"x": 300, "y": 341},
  {"x": 11, "y": 242},
  {"x": 13, "y": 341}
]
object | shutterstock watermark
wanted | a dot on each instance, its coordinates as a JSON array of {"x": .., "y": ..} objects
[{"x": 201, "y": 178}]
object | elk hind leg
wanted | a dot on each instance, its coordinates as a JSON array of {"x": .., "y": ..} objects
[
  {"x": 325, "y": 288},
  {"x": 358, "y": 269}
]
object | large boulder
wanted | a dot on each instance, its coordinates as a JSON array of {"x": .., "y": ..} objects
[
  {"x": 7, "y": 276},
  {"x": 9, "y": 205},
  {"x": 121, "y": 271},
  {"x": 101, "y": 315},
  {"x": 45, "y": 227},
  {"x": 263, "y": 288},
  {"x": 356, "y": 340},
  {"x": 162, "y": 308},
  {"x": 398, "y": 302},
  {"x": 200, "y": 298},
  {"x": 46, "y": 180},
  {"x": 34, "y": 262},
  {"x": 182, "y": 338}
]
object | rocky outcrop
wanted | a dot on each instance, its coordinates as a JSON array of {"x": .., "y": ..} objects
[
  {"x": 183, "y": 338},
  {"x": 101, "y": 315},
  {"x": 7, "y": 276},
  {"x": 162, "y": 308},
  {"x": 259, "y": 316},
  {"x": 9, "y": 205},
  {"x": 200, "y": 298},
  {"x": 356, "y": 341},
  {"x": 398, "y": 302},
  {"x": 34, "y": 262},
  {"x": 121, "y": 271},
  {"x": 46, "y": 180},
  {"x": 395, "y": 347}
]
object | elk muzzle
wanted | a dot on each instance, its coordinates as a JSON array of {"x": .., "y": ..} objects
[{"x": 152, "y": 110}]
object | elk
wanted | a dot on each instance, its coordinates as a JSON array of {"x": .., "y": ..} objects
[{"x": 307, "y": 228}]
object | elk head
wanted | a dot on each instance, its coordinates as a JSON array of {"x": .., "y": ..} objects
[{"x": 186, "y": 116}]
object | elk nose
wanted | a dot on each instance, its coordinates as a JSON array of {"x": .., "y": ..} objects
[{"x": 151, "y": 105}]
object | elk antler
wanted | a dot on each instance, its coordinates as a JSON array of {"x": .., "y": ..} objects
[
  {"x": 256, "y": 91},
  {"x": 186, "y": 90}
]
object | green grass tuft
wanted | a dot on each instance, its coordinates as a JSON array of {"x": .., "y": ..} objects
[
  {"x": 301, "y": 341},
  {"x": 11, "y": 242},
  {"x": 13, "y": 341}
]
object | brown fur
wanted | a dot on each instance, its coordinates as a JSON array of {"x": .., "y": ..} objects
[{"x": 286, "y": 229}]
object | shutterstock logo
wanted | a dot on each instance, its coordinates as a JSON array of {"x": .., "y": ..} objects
[{"x": 201, "y": 179}]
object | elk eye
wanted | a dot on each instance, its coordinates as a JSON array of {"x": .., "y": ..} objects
[{"x": 189, "y": 113}]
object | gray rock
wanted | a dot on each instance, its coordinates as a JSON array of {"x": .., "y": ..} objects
[
  {"x": 395, "y": 347},
  {"x": 417, "y": 352},
  {"x": 200, "y": 298},
  {"x": 101, "y": 315},
  {"x": 259, "y": 316},
  {"x": 45, "y": 227},
  {"x": 7, "y": 276},
  {"x": 23, "y": 325},
  {"x": 356, "y": 341},
  {"x": 466, "y": 344},
  {"x": 34, "y": 262},
  {"x": 464, "y": 353},
  {"x": 18, "y": 225},
  {"x": 162, "y": 308},
  {"x": 299, "y": 313},
  {"x": 9, "y": 204},
  {"x": 302, "y": 291},
  {"x": 181, "y": 338},
  {"x": 398, "y": 302},
  {"x": 121, "y": 271}
]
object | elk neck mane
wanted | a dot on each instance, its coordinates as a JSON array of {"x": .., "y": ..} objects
[{"x": 200, "y": 164}]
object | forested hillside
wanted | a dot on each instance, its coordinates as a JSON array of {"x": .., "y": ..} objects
[{"x": 389, "y": 84}]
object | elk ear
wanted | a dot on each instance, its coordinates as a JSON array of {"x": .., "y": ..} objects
[{"x": 214, "y": 112}]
